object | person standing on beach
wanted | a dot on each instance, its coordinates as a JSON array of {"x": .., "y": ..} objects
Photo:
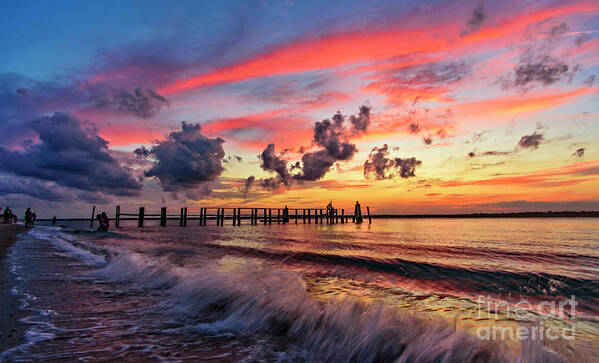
[
  {"x": 358, "y": 212},
  {"x": 54, "y": 220},
  {"x": 6, "y": 215},
  {"x": 28, "y": 217},
  {"x": 103, "y": 221},
  {"x": 285, "y": 214}
]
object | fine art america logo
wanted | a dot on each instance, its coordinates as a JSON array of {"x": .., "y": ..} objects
[{"x": 564, "y": 310}]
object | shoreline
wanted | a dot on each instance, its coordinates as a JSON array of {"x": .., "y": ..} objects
[{"x": 12, "y": 332}]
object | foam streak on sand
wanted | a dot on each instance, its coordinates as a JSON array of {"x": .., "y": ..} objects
[{"x": 12, "y": 329}]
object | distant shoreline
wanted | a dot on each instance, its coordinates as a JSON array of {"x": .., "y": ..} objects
[{"x": 549, "y": 214}]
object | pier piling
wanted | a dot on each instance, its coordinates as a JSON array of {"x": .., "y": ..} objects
[
  {"x": 117, "y": 217},
  {"x": 140, "y": 219},
  {"x": 91, "y": 221},
  {"x": 163, "y": 217}
]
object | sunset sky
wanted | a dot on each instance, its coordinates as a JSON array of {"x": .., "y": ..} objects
[{"x": 445, "y": 106}]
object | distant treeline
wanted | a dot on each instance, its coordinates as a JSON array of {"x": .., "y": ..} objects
[{"x": 548, "y": 214}]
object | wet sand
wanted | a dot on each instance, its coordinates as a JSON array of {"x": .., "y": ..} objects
[{"x": 11, "y": 332}]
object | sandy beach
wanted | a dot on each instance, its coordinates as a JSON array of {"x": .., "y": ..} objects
[{"x": 12, "y": 330}]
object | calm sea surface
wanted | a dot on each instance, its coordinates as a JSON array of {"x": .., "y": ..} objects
[{"x": 405, "y": 290}]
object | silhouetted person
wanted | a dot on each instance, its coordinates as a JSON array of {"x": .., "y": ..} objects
[
  {"x": 330, "y": 210},
  {"x": 6, "y": 216},
  {"x": 33, "y": 217},
  {"x": 104, "y": 222},
  {"x": 54, "y": 220},
  {"x": 28, "y": 217},
  {"x": 285, "y": 214},
  {"x": 358, "y": 212}
]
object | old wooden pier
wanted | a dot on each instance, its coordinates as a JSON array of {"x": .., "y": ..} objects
[{"x": 253, "y": 216}]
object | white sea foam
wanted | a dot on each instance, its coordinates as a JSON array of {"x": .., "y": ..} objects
[
  {"x": 269, "y": 302},
  {"x": 65, "y": 243}
]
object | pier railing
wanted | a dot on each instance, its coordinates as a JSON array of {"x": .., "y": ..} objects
[{"x": 237, "y": 215}]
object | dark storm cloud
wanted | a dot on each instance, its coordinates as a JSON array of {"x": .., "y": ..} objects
[
  {"x": 28, "y": 188},
  {"x": 379, "y": 166},
  {"x": 247, "y": 185},
  {"x": 497, "y": 153},
  {"x": 331, "y": 136},
  {"x": 530, "y": 141},
  {"x": 70, "y": 153},
  {"x": 143, "y": 103},
  {"x": 579, "y": 152},
  {"x": 490, "y": 153},
  {"x": 433, "y": 74},
  {"x": 476, "y": 19},
  {"x": 273, "y": 162},
  {"x": 545, "y": 71},
  {"x": 23, "y": 99},
  {"x": 186, "y": 160},
  {"x": 359, "y": 123},
  {"x": 414, "y": 128},
  {"x": 537, "y": 65},
  {"x": 33, "y": 188}
]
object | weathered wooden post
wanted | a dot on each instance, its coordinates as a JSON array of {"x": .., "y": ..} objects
[
  {"x": 117, "y": 217},
  {"x": 181, "y": 218},
  {"x": 304, "y": 216},
  {"x": 264, "y": 219},
  {"x": 140, "y": 220},
  {"x": 336, "y": 216},
  {"x": 359, "y": 218},
  {"x": 309, "y": 217},
  {"x": 369, "y": 219},
  {"x": 342, "y": 216},
  {"x": 222, "y": 216},
  {"x": 239, "y": 217},
  {"x": 185, "y": 217},
  {"x": 295, "y": 215},
  {"x": 234, "y": 215},
  {"x": 278, "y": 216},
  {"x": 269, "y": 216},
  {"x": 163, "y": 217},
  {"x": 91, "y": 221}
]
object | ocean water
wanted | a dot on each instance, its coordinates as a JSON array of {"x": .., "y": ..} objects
[{"x": 405, "y": 290}]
